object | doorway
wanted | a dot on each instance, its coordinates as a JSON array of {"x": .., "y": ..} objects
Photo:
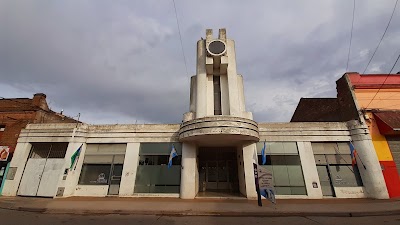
[
  {"x": 218, "y": 172},
  {"x": 43, "y": 170},
  {"x": 115, "y": 179}
]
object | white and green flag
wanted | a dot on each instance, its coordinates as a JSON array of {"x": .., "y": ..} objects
[{"x": 75, "y": 157}]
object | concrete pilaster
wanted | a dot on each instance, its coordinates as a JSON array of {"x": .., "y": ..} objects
[
  {"x": 19, "y": 159},
  {"x": 188, "y": 172},
  {"x": 73, "y": 175},
  {"x": 201, "y": 82},
  {"x": 367, "y": 162},
  {"x": 310, "y": 172},
  {"x": 232, "y": 80},
  {"x": 249, "y": 156},
  {"x": 129, "y": 171}
]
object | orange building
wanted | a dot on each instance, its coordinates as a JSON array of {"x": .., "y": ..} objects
[
  {"x": 378, "y": 98},
  {"x": 373, "y": 99}
]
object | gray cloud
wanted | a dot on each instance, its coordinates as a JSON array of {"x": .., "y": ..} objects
[{"x": 118, "y": 62}]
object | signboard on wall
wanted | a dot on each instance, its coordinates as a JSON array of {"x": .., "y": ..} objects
[{"x": 4, "y": 153}]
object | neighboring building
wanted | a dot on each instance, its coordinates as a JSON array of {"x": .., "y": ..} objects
[
  {"x": 216, "y": 143},
  {"x": 373, "y": 99},
  {"x": 15, "y": 114}
]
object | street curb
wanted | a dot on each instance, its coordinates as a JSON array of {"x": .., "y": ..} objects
[{"x": 204, "y": 213}]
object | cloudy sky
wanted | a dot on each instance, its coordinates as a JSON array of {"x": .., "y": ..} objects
[{"x": 121, "y": 61}]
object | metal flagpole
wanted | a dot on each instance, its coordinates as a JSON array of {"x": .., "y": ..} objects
[{"x": 257, "y": 184}]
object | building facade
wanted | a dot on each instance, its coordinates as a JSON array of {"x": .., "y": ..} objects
[
  {"x": 217, "y": 143},
  {"x": 373, "y": 100},
  {"x": 15, "y": 114}
]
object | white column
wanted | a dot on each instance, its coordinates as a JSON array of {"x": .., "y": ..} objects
[
  {"x": 188, "y": 172},
  {"x": 310, "y": 172},
  {"x": 72, "y": 178},
  {"x": 242, "y": 107},
  {"x": 128, "y": 178},
  {"x": 249, "y": 156},
  {"x": 201, "y": 83},
  {"x": 19, "y": 159},
  {"x": 372, "y": 176},
  {"x": 232, "y": 80}
]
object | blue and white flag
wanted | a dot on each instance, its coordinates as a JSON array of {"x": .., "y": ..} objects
[
  {"x": 263, "y": 155},
  {"x": 172, "y": 155}
]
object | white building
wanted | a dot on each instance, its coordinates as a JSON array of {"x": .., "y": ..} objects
[{"x": 217, "y": 143}]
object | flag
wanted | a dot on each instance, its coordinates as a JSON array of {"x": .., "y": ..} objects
[
  {"x": 75, "y": 156},
  {"x": 353, "y": 153},
  {"x": 263, "y": 155},
  {"x": 172, "y": 155}
]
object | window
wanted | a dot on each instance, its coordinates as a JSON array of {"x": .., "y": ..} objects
[
  {"x": 336, "y": 157},
  {"x": 101, "y": 162},
  {"x": 283, "y": 161},
  {"x": 95, "y": 174},
  {"x": 48, "y": 150},
  {"x": 217, "y": 95},
  {"x": 2, "y": 128},
  {"x": 153, "y": 174}
]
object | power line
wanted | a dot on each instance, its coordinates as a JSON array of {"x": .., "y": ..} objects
[
  {"x": 387, "y": 76},
  {"x": 376, "y": 49},
  {"x": 351, "y": 35},
  {"x": 180, "y": 37},
  {"x": 394, "y": 64}
]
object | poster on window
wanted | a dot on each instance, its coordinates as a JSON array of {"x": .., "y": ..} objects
[
  {"x": 4, "y": 153},
  {"x": 266, "y": 183}
]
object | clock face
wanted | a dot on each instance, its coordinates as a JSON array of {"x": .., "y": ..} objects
[{"x": 217, "y": 47}]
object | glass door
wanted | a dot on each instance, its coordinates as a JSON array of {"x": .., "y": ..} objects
[{"x": 115, "y": 179}]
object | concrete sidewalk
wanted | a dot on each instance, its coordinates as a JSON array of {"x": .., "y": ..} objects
[{"x": 203, "y": 207}]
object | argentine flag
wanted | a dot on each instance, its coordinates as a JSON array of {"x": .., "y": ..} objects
[
  {"x": 172, "y": 155},
  {"x": 263, "y": 155}
]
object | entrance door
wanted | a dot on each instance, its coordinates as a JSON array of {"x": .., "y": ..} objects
[
  {"x": 325, "y": 181},
  {"x": 43, "y": 170},
  {"x": 218, "y": 170},
  {"x": 115, "y": 179}
]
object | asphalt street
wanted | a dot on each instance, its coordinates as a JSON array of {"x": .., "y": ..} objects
[{"x": 18, "y": 218}]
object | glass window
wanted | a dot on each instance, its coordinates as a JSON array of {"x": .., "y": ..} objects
[
  {"x": 95, "y": 174},
  {"x": 283, "y": 161},
  {"x": 159, "y": 148},
  {"x": 337, "y": 157},
  {"x": 105, "y": 149},
  {"x": 153, "y": 174},
  {"x": 158, "y": 160},
  {"x": 278, "y": 148},
  {"x": 345, "y": 176}
]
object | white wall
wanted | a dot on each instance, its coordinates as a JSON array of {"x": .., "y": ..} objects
[
  {"x": 19, "y": 159},
  {"x": 129, "y": 171},
  {"x": 91, "y": 190},
  {"x": 349, "y": 192},
  {"x": 309, "y": 170}
]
